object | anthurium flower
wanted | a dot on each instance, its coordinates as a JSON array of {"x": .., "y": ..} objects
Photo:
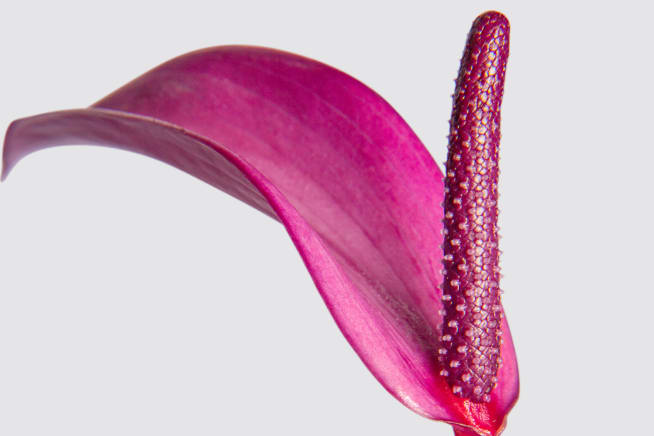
[{"x": 404, "y": 258}]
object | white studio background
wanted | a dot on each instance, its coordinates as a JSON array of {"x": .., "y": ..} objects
[{"x": 136, "y": 300}]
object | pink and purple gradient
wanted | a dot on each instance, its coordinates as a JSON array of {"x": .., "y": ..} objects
[
  {"x": 315, "y": 149},
  {"x": 471, "y": 295}
]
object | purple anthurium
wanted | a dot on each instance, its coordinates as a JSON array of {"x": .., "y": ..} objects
[{"x": 405, "y": 259}]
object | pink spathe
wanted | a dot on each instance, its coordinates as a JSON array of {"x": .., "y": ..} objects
[{"x": 358, "y": 193}]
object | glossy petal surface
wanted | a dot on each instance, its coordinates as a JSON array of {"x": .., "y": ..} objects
[{"x": 317, "y": 150}]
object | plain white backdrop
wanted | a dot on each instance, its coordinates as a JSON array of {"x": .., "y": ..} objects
[{"x": 136, "y": 300}]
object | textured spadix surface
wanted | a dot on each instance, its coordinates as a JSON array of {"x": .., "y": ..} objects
[
  {"x": 315, "y": 149},
  {"x": 471, "y": 295}
]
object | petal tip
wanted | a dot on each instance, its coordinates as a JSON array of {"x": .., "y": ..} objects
[{"x": 7, "y": 162}]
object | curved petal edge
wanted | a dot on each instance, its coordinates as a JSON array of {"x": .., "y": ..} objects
[{"x": 358, "y": 193}]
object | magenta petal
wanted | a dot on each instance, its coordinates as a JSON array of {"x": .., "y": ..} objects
[{"x": 312, "y": 147}]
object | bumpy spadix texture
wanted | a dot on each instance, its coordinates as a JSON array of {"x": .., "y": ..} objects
[
  {"x": 471, "y": 295},
  {"x": 307, "y": 145}
]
